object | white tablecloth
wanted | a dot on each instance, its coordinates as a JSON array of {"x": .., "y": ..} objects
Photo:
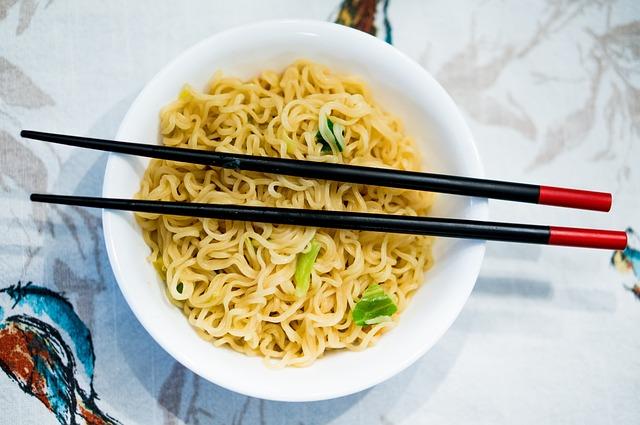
[{"x": 551, "y": 90}]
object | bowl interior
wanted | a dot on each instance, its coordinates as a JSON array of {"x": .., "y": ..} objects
[{"x": 405, "y": 90}]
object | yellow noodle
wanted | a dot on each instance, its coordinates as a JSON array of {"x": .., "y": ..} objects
[{"x": 234, "y": 280}]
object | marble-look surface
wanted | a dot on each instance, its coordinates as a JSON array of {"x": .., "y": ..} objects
[{"x": 551, "y": 90}]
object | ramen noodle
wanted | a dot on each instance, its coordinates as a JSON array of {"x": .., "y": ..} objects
[{"x": 287, "y": 293}]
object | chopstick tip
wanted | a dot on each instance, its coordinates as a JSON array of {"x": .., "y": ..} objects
[
  {"x": 38, "y": 197},
  {"x": 28, "y": 134}
]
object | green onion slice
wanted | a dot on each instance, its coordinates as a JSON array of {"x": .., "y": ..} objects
[
  {"x": 330, "y": 134},
  {"x": 304, "y": 266},
  {"x": 338, "y": 132}
]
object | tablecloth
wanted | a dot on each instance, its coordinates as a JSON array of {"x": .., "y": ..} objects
[{"x": 551, "y": 91}]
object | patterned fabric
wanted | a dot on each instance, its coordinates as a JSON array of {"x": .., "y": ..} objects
[{"x": 551, "y": 90}]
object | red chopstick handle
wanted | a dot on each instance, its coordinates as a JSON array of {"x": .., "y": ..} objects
[
  {"x": 588, "y": 238},
  {"x": 574, "y": 198}
]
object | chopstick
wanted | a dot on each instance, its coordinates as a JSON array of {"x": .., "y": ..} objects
[
  {"x": 519, "y": 192},
  {"x": 469, "y": 229}
]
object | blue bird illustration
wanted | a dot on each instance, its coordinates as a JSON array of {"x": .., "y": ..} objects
[
  {"x": 47, "y": 350},
  {"x": 628, "y": 260}
]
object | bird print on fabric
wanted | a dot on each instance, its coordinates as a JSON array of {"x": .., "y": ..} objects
[{"x": 47, "y": 350}]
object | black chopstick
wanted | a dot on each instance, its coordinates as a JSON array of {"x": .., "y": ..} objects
[
  {"x": 520, "y": 192},
  {"x": 469, "y": 229}
]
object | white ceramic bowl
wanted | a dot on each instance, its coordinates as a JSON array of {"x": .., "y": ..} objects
[{"x": 406, "y": 90}]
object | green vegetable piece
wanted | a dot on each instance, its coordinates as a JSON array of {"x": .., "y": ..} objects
[
  {"x": 333, "y": 136},
  {"x": 326, "y": 147},
  {"x": 160, "y": 267},
  {"x": 374, "y": 307},
  {"x": 180, "y": 287},
  {"x": 338, "y": 133},
  {"x": 304, "y": 266},
  {"x": 377, "y": 320}
]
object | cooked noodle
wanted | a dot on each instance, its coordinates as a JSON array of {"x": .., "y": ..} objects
[{"x": 234, "y": 280}]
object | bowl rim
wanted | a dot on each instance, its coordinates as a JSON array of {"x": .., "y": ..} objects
[{"x": 481, "y": 210}]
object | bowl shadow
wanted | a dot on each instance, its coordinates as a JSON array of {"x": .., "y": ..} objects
[{"x": 183, "y": 396}]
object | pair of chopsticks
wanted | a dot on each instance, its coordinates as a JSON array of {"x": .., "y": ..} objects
[{"x": 509, "y": 232}]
